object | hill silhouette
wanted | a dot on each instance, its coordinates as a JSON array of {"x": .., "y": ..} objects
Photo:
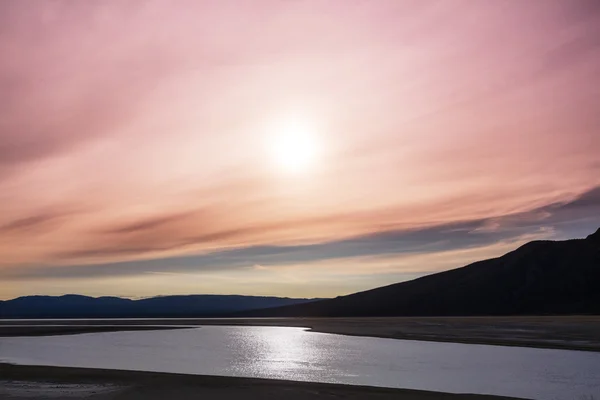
[
  {"x": 75, "y": 306},
  {"x": 540, "y": 277}
]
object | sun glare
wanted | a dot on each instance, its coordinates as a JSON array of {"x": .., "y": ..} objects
[{"x": 293, "y": 145}]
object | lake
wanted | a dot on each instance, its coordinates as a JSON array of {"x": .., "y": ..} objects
[{"x": 295, "y": 354}]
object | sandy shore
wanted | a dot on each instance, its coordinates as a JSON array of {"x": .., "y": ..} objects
[
  {"x": 14, "y": 331},
  {"x": 572, "y": 332},
  {"x": 37, "y": 383}
]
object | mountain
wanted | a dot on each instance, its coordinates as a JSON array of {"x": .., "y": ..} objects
[
  {"x": 75, "y": 306},
  {"x": 540, "y": 277}
]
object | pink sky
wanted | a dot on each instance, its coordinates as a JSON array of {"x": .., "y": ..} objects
[{"x": 138, "y": 131}]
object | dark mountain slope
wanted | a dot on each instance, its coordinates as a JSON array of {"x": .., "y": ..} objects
[
  {"x": 541, "y": 277},
  {"x": 74, "y": 306}
]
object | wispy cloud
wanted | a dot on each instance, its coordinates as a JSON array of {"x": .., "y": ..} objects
[{"x": 581, "y": 214}]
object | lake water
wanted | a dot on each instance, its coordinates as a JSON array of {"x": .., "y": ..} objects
[{"x": 295, "y": 354}]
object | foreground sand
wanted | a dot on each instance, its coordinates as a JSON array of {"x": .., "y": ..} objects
[
  {"x": 37, "y": 383},
  {"x": 570, "y": 332}
]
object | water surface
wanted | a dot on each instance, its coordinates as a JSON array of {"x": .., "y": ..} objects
[{"x": 295, "y": 354}]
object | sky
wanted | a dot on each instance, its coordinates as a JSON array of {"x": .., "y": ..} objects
[{"x": 289, "y": 148}]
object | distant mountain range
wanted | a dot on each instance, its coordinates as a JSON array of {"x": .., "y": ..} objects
[
  {"x": 540, "y": 277},
  {"x": 75, "y": 306}
]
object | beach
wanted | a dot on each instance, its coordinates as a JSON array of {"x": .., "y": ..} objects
[{"x": 40, "y": 382}]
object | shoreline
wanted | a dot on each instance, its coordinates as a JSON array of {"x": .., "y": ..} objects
[
  {"x": 38, "y": 331},
  {"x": 120, "y": 384},
  {"x": 566, "y": 333}
]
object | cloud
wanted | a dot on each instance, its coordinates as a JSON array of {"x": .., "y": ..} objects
[
  {"x": 589, "y": 199},
  {"x": 580, "y": 214},
  {"x": 70, "y": 76},
  {"x": 553, "y": 220},
  {"x": 28, "y": 223},
  {"x": 42, "y": 221},
  {"x": 152, "y": 235},
  {"x": 149, "y": 224}
]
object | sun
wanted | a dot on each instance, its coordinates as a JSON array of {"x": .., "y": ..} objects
[{"x": 293, "y": 145}]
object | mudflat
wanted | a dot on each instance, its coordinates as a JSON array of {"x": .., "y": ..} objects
[
  {"x": 562, "y": 332},
  {"x": 50, "y": 330},
  {"x": 39, "y": 382}
]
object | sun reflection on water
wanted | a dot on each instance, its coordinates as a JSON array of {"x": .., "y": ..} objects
[{"x": 282, "y": 353}]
